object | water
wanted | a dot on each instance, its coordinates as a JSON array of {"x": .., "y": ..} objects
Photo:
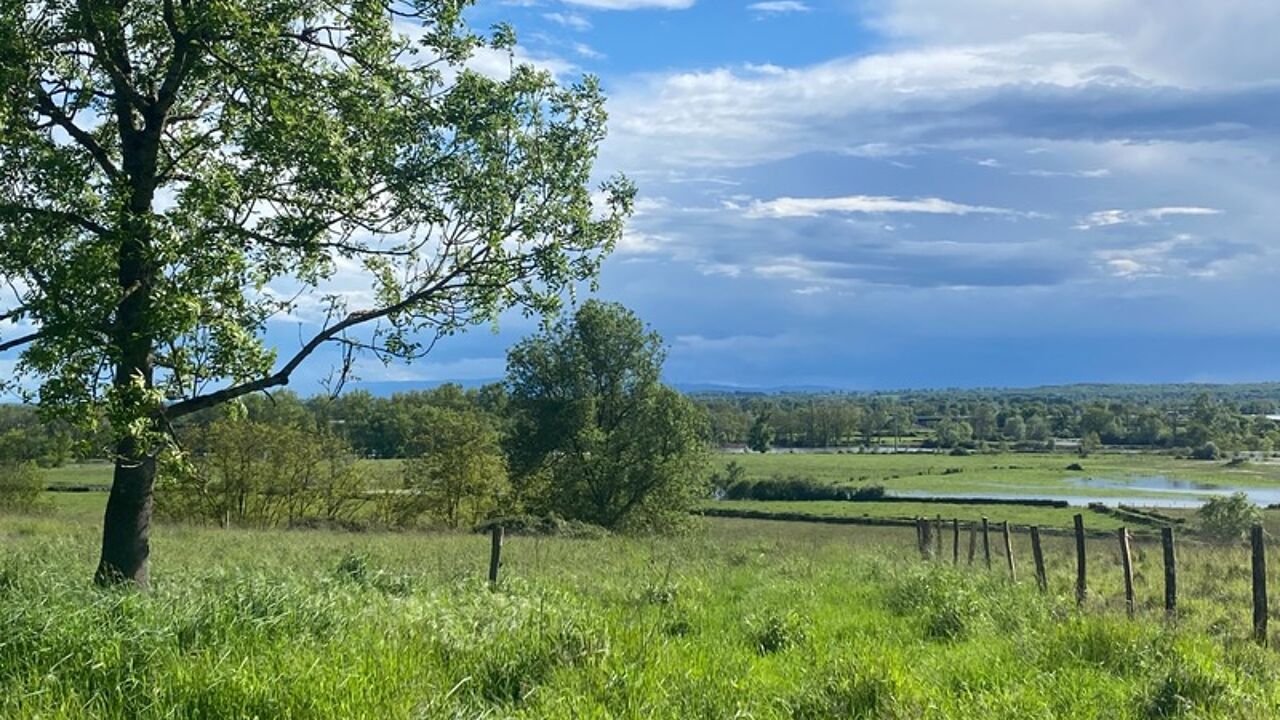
[{"x": 1146, "y": 490}]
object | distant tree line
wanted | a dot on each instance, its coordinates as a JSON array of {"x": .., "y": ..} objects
[{"x": 967, "y": 420}]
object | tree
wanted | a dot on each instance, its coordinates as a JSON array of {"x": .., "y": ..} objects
[
  {"x": 249, "y": 472},
  {"x": 177, "y": 174},
  {"x": 1227, "y": 518},
  {"x": 597, "y": 437},
  {"x": 459, "y": 474},
  {"x": 760, "y": 436}
]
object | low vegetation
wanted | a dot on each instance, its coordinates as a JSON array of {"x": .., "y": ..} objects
[{"x": 735, "y": 619}]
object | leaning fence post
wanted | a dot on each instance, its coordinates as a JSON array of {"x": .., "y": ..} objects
[
  {"x": 1170, "y": 573},
  {"x": 1008, "y": 550},
  {"x": 986, "y": 542},
  {"x": 926, "y": 537},
  {"x": 1080, "y": 574},
  {"x": 1038, "y": 555},
  {"x": 1126, "y": 563},
  {"x": 1259, "y": 585},
  {"x": 495, "y": 554},
  {"x": 955, "y": 541}
]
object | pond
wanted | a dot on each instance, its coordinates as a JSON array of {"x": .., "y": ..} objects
[{"x": 1146, "y": 490}]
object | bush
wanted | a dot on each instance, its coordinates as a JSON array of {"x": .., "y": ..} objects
[
  {"x": 1207, "y": 451},
  {"x": 1228, "y": 518},
  {"x": 20, "y": 486},
  {"x": 797, "y": 488}
]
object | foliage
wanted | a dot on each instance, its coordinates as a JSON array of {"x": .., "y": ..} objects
[
  {"x": 459, "y": 475},
  {"x": 1207, "y": 451},
  {"x": 796, "y": 488},
  {"x": 759, "y": 620},
  {"x": 760, "y": 437},
  {"x": 248, "y": 472},
  {"x": 1228, "y": 518},
  {"x": 177, "y": 174},
  {"x": 597, "y": 437},
  {"x": 20, "y": 486}
]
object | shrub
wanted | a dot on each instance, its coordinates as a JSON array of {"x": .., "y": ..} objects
[
  {"x": 20, "y": 486},
  {"x": 1228, "y": 518},
  {"x": 1207, "y": 451}
]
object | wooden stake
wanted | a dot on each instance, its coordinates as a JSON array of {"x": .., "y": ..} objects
[
  {"x": 955, "y": 541},
  {"x": 1038, "y": 555},
  {"x": 1008, "y": 550},
  {"x": 1126, "y": 563},
  {"x": 986, "y": 542},
  {"x": 937, "y": 539},
  {"x": 495, "y": 554},
  {"x": 973, "y": 542},
  {"x": 1256, "y": 538},
  {"x": 1081, "y": 589},
  {"x": 1170, "y": 573}
]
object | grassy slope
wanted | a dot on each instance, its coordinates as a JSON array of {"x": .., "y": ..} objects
[{"x": 759, "y": 619}]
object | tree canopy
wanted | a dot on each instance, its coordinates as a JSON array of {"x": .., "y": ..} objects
[
  {"x": 178, "y": 174},
  {"x": 597, "y": 437}
]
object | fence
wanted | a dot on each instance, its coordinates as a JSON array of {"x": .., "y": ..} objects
[{"x": 929, "y": 540}]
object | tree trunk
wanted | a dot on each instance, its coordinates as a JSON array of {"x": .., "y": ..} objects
[{"x": 127, "y": 522}]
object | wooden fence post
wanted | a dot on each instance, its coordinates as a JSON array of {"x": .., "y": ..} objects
[
  {"x": 955, "y": 541},
  {"x": 1170, "y": 573},
  {"x": 1256, "y": 538},
  {"x": 1080, "y": 574},
  {"x": 986, "y": 542},
  {"x": 1008, "y": 550},
  {"x": 1126, "y": 563},
  {"x": 973, "y": 542},
  {"x": 495, "y": 554},
  {"x": 937, "y": 540},
  {"x": 1038, "y": 555},
  {"x": 926, "y": 538}
]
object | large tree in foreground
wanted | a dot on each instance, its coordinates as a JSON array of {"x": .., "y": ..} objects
[
  {"x": 597, "y": 436},
  {"x": 176, "y": 173}
]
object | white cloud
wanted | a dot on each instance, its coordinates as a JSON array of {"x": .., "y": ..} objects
[
  {"x": 810, "y": 207},
  {"x": 1093, "y": 173},
  {"x": 1194, "y": 40},
  {"x": 1106, "y": 218},
  {"x": 874, "y": 105},
  {"x": 779, "y": 7},
  {"x": 571, "y": 20}
]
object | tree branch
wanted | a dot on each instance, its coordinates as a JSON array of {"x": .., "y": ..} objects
[
  {"x": 19, "y": 341},
  {"x": 77, "y": 133},
  {"x": 69, "y": 217},
  {"x": 281, "y": 377}
]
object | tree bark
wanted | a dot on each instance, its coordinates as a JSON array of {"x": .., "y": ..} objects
[{"x": 127, "y": 522}]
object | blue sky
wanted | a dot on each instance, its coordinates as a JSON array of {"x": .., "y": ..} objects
[
  {"x": 879, "y": 194},
  {"x": 925, "y": 193}
]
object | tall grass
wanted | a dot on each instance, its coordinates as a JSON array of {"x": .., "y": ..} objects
[{"x": 737, "y": 619}]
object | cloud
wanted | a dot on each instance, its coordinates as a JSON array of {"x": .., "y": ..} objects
[
  {"x": 1195, "y": 41},
  {"x": 573, "y": 21},
  {"x": 1107, "y": 218},
  {"x": 779, "y": 7},
  {"x": 809, "y": 207}
]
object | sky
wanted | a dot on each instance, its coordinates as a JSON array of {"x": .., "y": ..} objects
[
  {"x": 925, "y": 193},
  {"x": 876, "y": 194}
]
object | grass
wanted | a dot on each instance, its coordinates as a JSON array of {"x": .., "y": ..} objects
[
  {"x": 738, "y": 619},
  {"x": 1026, "y": 473}
]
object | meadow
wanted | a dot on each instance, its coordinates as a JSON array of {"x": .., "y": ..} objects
[
  {"x": 735, "y": 618},
  {"x": 1025, "y": 473}
]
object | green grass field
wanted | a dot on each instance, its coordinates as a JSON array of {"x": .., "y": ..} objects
[
  {"x": 737, "y": 619},
  {"x": 1019, "y": 473}
]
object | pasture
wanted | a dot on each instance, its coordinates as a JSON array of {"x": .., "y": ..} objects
[{"x": 735, "y": 619}]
